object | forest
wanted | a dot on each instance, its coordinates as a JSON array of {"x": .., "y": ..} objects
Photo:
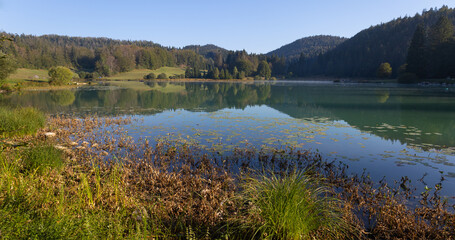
[{"x": 380, "y": 51}]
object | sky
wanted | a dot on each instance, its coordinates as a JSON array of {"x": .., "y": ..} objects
[{"x": 254, "y": 25}]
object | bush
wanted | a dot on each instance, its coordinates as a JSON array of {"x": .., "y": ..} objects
[
  {"x": 150, "y": 76},
  {"x": 162, "y": 76},
  {"x": 22, "y": 121},
  {"x": 290, "y": 207},
  {"x": 42, "y": 157},
  {"x": 408, "y": 78},
  {"x": 6, "y": 87},
  {"x": 60, "y": 75}
]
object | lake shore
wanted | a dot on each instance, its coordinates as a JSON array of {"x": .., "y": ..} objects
[{"x": 172, "y": 189}]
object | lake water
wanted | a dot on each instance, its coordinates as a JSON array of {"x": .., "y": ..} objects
[{"x": 389, "y": 130}]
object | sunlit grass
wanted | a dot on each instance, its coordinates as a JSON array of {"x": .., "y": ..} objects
[
  {"x": 22, "y": 74},
  {"x": 138, "y": 74},
  {"x": 293, "y": 206},
  {"x": 22, "y": 121},
  {"x": 42, "y": 157}
]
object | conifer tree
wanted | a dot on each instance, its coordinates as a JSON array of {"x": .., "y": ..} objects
[{"x": 416, "y": 59}]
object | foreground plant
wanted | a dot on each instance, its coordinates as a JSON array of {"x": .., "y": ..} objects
[
  {"x": 292, "y": 206},
  {"x": 20, "y": 122}
]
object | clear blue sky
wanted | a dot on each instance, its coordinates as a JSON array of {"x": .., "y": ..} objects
[{"x": 253, "y": 25}]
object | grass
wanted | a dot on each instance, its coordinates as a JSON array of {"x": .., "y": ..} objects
[
  {"x": 293, "y": 206},
  {"x": 19, "y": 122},
  {"x": 138, "y": 74},
  {"x": 42, "y": 157},
  {"x": 23, "y": 74}
]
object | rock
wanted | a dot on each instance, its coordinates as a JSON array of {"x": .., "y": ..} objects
[
  {"x": 60, "y": 147},
  {"x": 50, "y": 134}
]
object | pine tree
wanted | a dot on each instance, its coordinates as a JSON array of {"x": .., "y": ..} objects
[
  {"x": 264, "y": 70},
  {"x": 440, "y": 34},
  {"x": 235, "y": 73},
  {"x": 442, "y": 31},
  {"x": 216, "y": 73},
  {"x": 416, "y": 59}
]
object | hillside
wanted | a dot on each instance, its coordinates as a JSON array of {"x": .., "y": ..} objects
[
  {"x": 361, "y": 55},
  {"x": 309, "y": 46},
  {"x": 207, "y": 50},
  {"x": 94, "y": 57}
]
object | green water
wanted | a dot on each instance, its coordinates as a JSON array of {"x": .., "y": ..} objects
[{"x": 389, "y": 130}]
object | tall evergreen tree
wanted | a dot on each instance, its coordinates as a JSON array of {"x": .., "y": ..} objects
[
  {"x": 416, "y": 59},
  {"x": 264, "y": 70},
  {"x": 216, "y": 73},
  {"x": 440, "y": 34},
  {"x": 442, "y": 31}
]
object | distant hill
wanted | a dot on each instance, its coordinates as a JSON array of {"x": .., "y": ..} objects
[
  {"x": 309, "y": 46},
  {"x": 361, "y": 55},
  {"x": 207, "y": 50}
]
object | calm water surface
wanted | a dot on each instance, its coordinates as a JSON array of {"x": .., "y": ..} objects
[{"x": 389, "y": 130}]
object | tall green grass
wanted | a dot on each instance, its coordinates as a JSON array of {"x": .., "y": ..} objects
[
  {"x": 293, "y": 206},
  {"x": 61, "y": 205},
  {"x": 21, "y": 121},
  {"x": 42, "y": 157}
]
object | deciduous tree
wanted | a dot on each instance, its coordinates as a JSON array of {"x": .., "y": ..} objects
[{"x": 60, "y": 75}]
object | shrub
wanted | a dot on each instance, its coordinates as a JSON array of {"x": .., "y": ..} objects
[
  {"x": 60, "y": 75},
  {"x": 42, "y": 157},
  {"x": 408, "y": 78},
  {"x": 162, "y": 76},
  {"x": 6, "y": 87},
  {"x": 290, "y": 207},
  {"x": 150, "y": 76},
  {"x": 22, "y": 121}
]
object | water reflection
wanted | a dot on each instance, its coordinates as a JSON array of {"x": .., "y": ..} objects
[{"x": 414, "y": 116}]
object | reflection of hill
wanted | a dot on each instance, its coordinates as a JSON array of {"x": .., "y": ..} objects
[
  {"x": 430, "y": 112},
  {"x": 363, "y": 106}
]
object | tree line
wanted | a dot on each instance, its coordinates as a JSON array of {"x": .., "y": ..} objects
[
  {"x": 431, "y": 52},
  {"x": 424, "y": 42},
  {"x": 361, "y": 55}
]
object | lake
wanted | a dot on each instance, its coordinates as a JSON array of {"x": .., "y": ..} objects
[{"x": 387, "y": 129}]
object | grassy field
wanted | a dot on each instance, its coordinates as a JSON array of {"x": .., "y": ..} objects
[
  {"x": 23, "y": 74},
  {"x": 140, "y": 73}
]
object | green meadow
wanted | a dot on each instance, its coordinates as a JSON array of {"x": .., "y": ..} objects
[
  {"x": 23, "y": 74},
  {"x": 140, "y": 73}
]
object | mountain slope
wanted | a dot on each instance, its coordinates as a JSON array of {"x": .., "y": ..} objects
[
  {"x": 207, "y": 50},
  {"x": 309, "y": 46},
  {"x": 361, "y": 55}
]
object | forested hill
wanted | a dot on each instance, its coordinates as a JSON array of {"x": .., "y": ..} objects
[
  {"x": 99, "y": 56},
  {"x": 207, "y": 50},
  {"x": 361, "y": 55},
  {"x": 308, "y": 46}
]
